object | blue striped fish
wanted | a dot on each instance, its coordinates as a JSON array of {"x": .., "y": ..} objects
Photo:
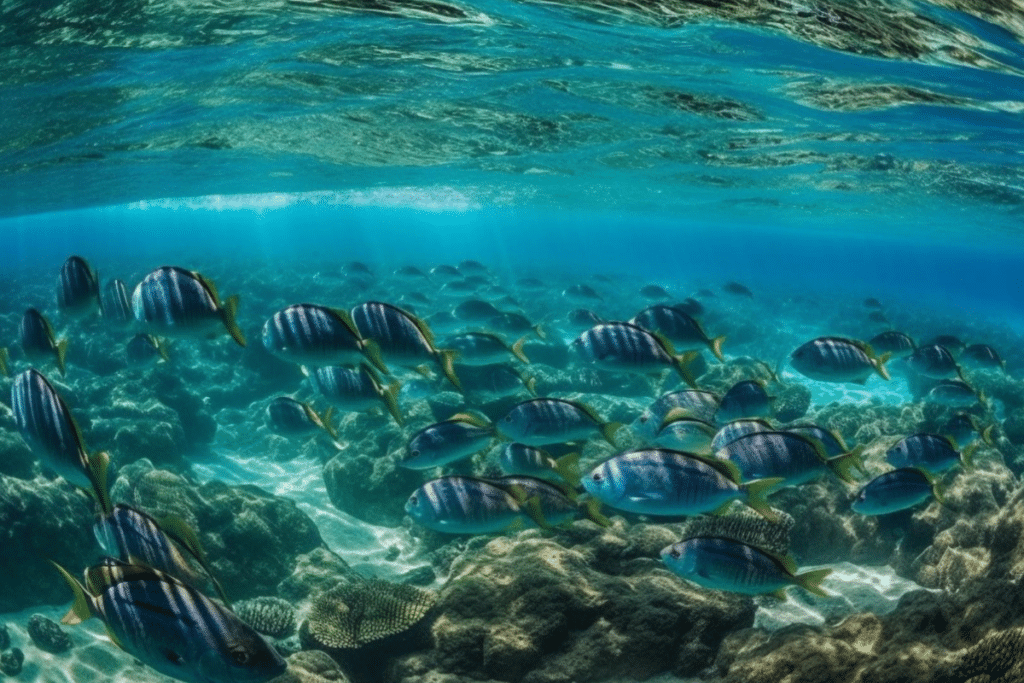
[
  {"x": 931, "y": 452},
  {"x": 518, "y": 458},
  {"x": 731, "y": 431},
  {"x": 730, "y": 565},
  {"x": 170, "y": 626},
  {"x": 628, "y": 348},
  {"x": 402, "y": 337},
  {"x": 356, "y": 390},
  {"x": 664, "y": 482},
  {"x": 982, "y": 357},
  {"x": 837, "y": 359},
  {"x": 289, "y": 417},
  {"x": 485, "y": 348},
  {"x": 794, "y": 458},
  {"x": 896, "y": 490},
  {"x": 145, "y": 348},
  {"x": 700, "y": 405},
  {"x": 543, "y": 421},
  {"x": 465, "y": 505},
  {"x": 47, "y": 425},
  {"x": 744, "y": 400},
  {"x": 134, "y": 537},
  {"x": 934, "y": 361},
  {"x": 78, "y": 288},
  {"x": 458, "y": 437},
  {"x": 39, "y": 342},
  {"x": 679, "y": 327},
  {"x": 175, "y": 302},
  {"x": 309, "y": 334},
  {"x": 114, "y": 304}
]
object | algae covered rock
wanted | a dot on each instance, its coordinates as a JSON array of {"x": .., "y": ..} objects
[
  {"x": 531, "y": 609},
  {"x": 48, "y": 635},
  {"x": 369, "y": 485}
]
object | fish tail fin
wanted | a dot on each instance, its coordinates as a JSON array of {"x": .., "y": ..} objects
[
  {"x": 811, "y": 581},
  {"x": 568, "y": 468},
  {"x": 967, "y": 456},
  {"x": 986, "y": 435},
  {"x": 757, "y": 496},
  {"x": 517, "y": 350},
  {"x": 879, "y": 364},
  {"x": 842, "y": 465},
  {"x": 608, "y": 430},
  {"x": 326, "y": 420},
  {"x": 983, "y": 400},
  {"x": 531, "y": 506},
  {"x": 4, "y": 359},
  {"x": 389, "y": 396},
  {"x": 716, "y": 347},
  {"x": 682, "y": 364},
  {"x": 230, "y": 322},
  {"x": 99, "y": 467},
  {"x": 161, "y": 348},
  {"x": 541, "y": 334},
  {"x": 593, "y": 512},
  {"x": 62, "y": 354},
  {"x": 81, "y": 608},
  {"x": 446, "y": 360},
  {"x": 372, "y": 352},
  {"x": 531, "y": 385}
]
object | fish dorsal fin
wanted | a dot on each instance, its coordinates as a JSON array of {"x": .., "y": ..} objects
[
  {"x": 726, "y": 468},
  {"x": 785, "y": 562},
  {"x": 676, "y": 414},
  {"x": 663, "y": 341},
  {"x": 113, "y": 572},
  {"x": 469, "y": 418},
  {"x": 582, "y": 407},
  {"x": 178, "y": 530},
  {"x": 684, "y": 416},
  {"x": 208, "y": 284},
  {"x": 371, "y": 375}
]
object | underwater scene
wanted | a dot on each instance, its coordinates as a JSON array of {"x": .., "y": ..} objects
[{"x": 534, "y": 341}]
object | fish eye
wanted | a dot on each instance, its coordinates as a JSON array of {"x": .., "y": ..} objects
[
  {"x": 675, "y": 553},
  {"x": 644, "y": 418},
  {"x": 240, "y": 656},
  {"x": 414, "y": 454},
  {"x": 596, "y": 476},
  {"x": 414, "y": 499},
  {"x": 508, "y": 418}
]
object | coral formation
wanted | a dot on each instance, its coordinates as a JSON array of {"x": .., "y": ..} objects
[{"x": 270, "y": 616}]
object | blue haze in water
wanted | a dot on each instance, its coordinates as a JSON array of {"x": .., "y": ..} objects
[{"x": 818, "y": 153}]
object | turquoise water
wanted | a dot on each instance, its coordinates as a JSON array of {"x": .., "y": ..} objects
[{"x": 818, "y": 153}]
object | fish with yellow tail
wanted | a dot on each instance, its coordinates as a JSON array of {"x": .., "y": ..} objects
[{"x": 174, "y": 302}]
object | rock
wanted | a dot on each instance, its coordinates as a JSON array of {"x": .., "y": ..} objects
[
  {"x": 312, "y": 666},
  {"x": 47, "y": 635},
  {"x": 5, "y": 637},
  {"x": 531, "y": 609},
  {"x": 791, "y": 402},
  {"x": 41, "y": 520},
  {"x": 16, "y": 458},
  {"x": 11, "y": 662},
  {"x": 370, "y": 486},
  {"x": 315, "y": 572}
]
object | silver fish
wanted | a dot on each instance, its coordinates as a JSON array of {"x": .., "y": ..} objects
[
  {"x": 175, "y": 302},
  {"x": 837, "y": 359},
  {"x": 465, "y": 505},
  {"x": 356, "y": 390},
  {"x": 543, "y": 421},
  {"x": 438, "y": 444},
  {"x": 628, "y": 348},
  {"x": 39, "y": 342},
  {"x": 309, "y": 334},
  {"x": 78, "y": 290}
]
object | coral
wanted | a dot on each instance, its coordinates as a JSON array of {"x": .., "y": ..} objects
[
  {"x": 792, "y": 401},
  {"x": 352, "y": 615},
  {"x": 270, "y": 616},
  {"x": 998, "y": 656},
  {"x": 41, "y": 520},
  {"x": 315, "y": 572},
  {"x": 47, "y": 635},
  {"x": 312, "y": 666}
]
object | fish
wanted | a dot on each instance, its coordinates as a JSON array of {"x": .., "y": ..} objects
[
  {"x": 445, "y": 272},
  {"x": 170, "y": 626},
  {"x": 955, "y": 393},
  {"x": 39, "y": 342},
  {"x": 115, "y": 307},
  {"x": 837, "y": 359},
  {"x": 933, "y": 361},
  {"x": 681, "y": 432},
  {"x": 48, "y": 427},
  {"x": 357, "y": 268},
  {"x": 485, "y": 348},
  {"x": 78, "y": 288},
  {"x": 410, "y": 272},
  {"x": 964, "y": 429},
  {"x": 518, "y": 458},
  {"x": 471, "y": 266},
  {"x": 701, "y": 405},
  {"x": 737, "y": 289},
  {"x": 475, "y": 311},
  {"x": 458, "y": 437},
  {"x": 356, "y": 389},
  {"x": 402, "y": 337},
  {"x": 896, "y": 490},
  {"x": 690, "y": 306},
  {"x": 289, "y": 417},
  {"x": 543, "y": 421},
  {"x": 789, "y": 458},
  {"x": 731, "y": 431},
  {"x": 515, "y": 323},
  {"x": 174, "y": 302},
  {"x": 628, "y": 348},
  {"x": 581, "y": 319},
  {"x": 144, "y": 348},
  {"x": 982, "y": 357},
  {"x": 730, "y": 565},
  {"x": 132, "y": 536},
  {"x": 457, "y": 288},
  {"x": 878, "y": 317},
  {"x": 530, "y": 283},
  {"x": 308, "y": 334},
  {"x": 500, "y": 379},
  {"x": 744, "y": 399},
  {"x": 655, "y": 292},
  {"x": 417, "y": 297},
  {"x": 896, "y": 344},
  {"x": 871, "y": 302},
  {"x": 465, "y": 505},
  {"x": 931, "y": 452},
  {"x": 663, "y": 482},
  {"x": 685, "y": 333},
  {"x": 581, "y": 293}
]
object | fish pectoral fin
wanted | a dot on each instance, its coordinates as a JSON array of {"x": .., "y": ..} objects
[{"x": 779, "y": 595}]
